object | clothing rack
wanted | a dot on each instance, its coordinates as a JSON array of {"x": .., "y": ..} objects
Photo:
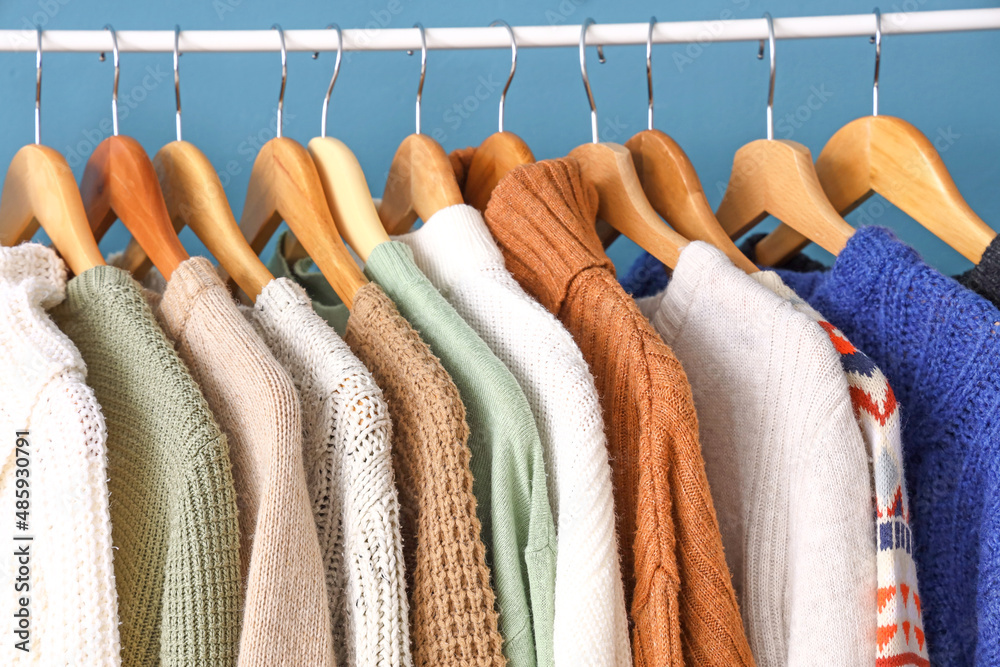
[{"x": 379, "y": 37}]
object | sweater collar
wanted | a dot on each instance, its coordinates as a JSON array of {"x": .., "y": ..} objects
[{"x": 304, "y": 273}]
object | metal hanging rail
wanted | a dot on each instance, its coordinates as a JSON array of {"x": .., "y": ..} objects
[{"x": 378, "y": 38}]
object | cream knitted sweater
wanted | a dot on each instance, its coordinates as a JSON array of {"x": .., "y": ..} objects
[
  {"x": 785, "y": 460},
  {"x": 456, "y": 252},
  {"x": 73, "y": 603},
  {"x": 349, "y": 472},
  {"x": 286, "y": 617}
]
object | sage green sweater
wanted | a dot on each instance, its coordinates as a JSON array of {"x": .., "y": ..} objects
[
  {"x": 507, "y": 465},
  {"x": 173, "y": 507}
]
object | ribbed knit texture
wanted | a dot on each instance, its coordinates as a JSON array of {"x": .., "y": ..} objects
[
  {"x": 508, "y": 475},
  {"x": 984, "y": 278},
  {"x": 677, "y": 585},
  {"x": 785, "y": 459},
  {"x": 73, "y": 602},
  {"x": 900, "y": 639},
  {"x": 456, "y": 252},
  {"x": 255, "y": 402},
  {"x": 453, "y": 622},
  {"x": 173, "y": 507},
  {"x": 348, "y": 465},
  {"x": 938, "y": 343}
]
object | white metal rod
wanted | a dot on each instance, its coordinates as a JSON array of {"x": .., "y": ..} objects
[{"x": 377, "y": 38}]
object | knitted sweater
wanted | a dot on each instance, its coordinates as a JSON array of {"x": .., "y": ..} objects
[
  {"x": 61, "y": 467},
  {"x": 173, "y": 507},
  {"x": 900, "y": 639},
  {"x": 677, "y": 586},
  {"x": 507, "y": 467},
  {"x": 939, "y": 345},
  {"x": 984, "y": 278},
  {"x": 785, "y": 459},
  {"x": 257, "y": 407},
  {"x": 456, "y": 252},
  {"x": 348, "y": 467},
  {"x": 452, "y": 615}
]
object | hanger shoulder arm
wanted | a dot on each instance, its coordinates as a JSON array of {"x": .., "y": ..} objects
[
  {"x": 421, "y": 182},
  {"x": 498, "y": 154}
]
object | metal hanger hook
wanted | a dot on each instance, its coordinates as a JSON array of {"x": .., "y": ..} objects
[
  {"x": 177, "y": 76},
  {"x": 114, "y": 91},
  {"x": 513, "y": 65},
  {"x": 586, "y": 80},
  {"x": 284, "y": 77},
  {"x": 423, "y": 67},
  {"x": 770, "y": 89},
  {"x": 333, "y": 79},
  {"x": 649, "y": 69},
  {"x": 38, "y": 88},
  {"x": 877, "y": 40}
]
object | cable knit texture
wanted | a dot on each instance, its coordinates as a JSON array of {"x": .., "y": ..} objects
[
  {"x": 785, "y": 459},
  {"x": 939, "y": 345},
  {"x": 43, "y": 391},
  {"x": 452, "y": 614},
  {"x": 507, "y": 469},
  {"x": 677, "y": 586},
  {"x": 255, "y": 403},
  {"x": 900, "y": 638},
  {"x": 456, "y": 252},
  {"x": 173, "y": 507},
  {"x": 348, "y": 466}
]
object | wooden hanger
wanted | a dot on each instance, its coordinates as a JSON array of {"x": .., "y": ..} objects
[
  {"x": 776, "y": 177},
  {"x": 500, "y": 152},
  {"x": 284, "y": 185},
  {"x": 195, "y": 197},
  {"x": 621, "y": 200},
  {"x": 40, "y": 189},
  {"x": 421, "y": 180},
  {"x": 119, "y": 182},
  {"x": 889, "y": 156}
]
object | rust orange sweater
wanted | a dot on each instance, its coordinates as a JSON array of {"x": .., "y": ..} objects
[{"x": 680, "y": 593}]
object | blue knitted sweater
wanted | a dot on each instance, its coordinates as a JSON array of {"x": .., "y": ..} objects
[{"x": 939, "y": 345}]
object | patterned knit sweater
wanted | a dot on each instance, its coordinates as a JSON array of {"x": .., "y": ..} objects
[
  {"x": 348, "y": 467},
  {"x": 60, "y": 469},
  {"x": 677, "y": 585},
  {"x": 173, "y": 507},
  {"x": 939, "y": 345}
]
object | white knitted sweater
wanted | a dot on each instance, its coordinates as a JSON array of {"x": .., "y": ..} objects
[
  {"x": 73, "y": 603},
  {"x": 785, "y": 460},
  {"x": 455, "y": 250},
  {"x": 348, "y": 465}
]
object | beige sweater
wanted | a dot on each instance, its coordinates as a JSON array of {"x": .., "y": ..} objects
[{"x": 286, "y": 619}]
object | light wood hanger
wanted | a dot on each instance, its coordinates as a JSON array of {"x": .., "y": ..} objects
[
  {"x": 40, "y": 189},
  {"x": 119, "y": 181},
  {"x": 621, "y": 200},
  {"x": 195, "y": 197},
  {"x": 777, "y": 177},
  {"x": 421, "y": 180},
  {"x": 891, "y": 157},
  {"x": 500, "y": 152},
  {"x": 284, "y": 185}
]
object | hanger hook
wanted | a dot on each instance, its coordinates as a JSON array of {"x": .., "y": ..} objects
[
  {"x": 114, "y": 91},
  {"x": 177, "y": 76},
  {"x": 333, "y": 80},
  {"x": 586, "y": 80},
  {"x": 423, "y": 67},
  {"x": 38, "y": 88},
  {"x": 877, "y": 40},
  {"x": 284, "y": 76},
  {"x": 513, "y": 65},
  {"x": 770, "y": 89},
  {"x": 649, "y": 69}
]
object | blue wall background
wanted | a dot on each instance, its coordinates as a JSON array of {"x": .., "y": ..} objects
[{"x": 710, "y": 97}]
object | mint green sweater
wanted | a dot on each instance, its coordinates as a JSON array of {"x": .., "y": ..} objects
[
  {"x": 507, "y": 466},
  {"x": 173, "y": 507}
]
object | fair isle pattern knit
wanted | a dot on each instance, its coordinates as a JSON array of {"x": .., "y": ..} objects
[
  {"x": 900, "y": 635},
  {"x": 73, "y": 602},
  {"x": 348, "y": 464}
]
